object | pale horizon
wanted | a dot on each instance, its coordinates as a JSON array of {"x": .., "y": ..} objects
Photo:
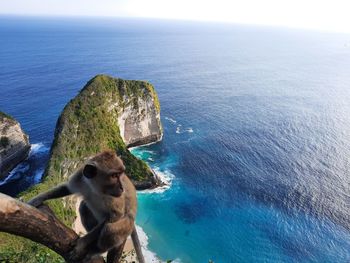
[{"x": 323, "y": 15}]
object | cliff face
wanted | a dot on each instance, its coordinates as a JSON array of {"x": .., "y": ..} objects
[
  {"x": 14, "y": 144},
  {"x": 139, "y": 119}
]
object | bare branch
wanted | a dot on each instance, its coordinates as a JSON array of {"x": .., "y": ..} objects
[{"x": 41, "y": 226}]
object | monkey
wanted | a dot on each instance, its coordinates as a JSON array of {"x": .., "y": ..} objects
[{"x": 108, "y": 206}]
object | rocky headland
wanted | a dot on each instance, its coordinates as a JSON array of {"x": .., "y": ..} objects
[
  {"x": 14, "y": 144},
  {"x": 108, "y": 113}
]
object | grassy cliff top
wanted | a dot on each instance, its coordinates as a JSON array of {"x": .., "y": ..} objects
[
  {"x": 105, "y": 84},
  {"x": 86, "y": 126},
  {"x": 3, "y": 115}
]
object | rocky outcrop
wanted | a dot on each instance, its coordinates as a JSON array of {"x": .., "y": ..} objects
[
  {"x": 108, "y": 113},
  {"x": 14, "y": 144}
]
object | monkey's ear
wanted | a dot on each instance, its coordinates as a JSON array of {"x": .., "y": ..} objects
[{"x": 90, "y": 171}]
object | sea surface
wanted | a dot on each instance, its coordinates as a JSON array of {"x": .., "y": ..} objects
[{"x": 256, "y": 120}]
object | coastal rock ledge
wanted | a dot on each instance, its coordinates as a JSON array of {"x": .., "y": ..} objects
[{"x": 14, "y": 144}]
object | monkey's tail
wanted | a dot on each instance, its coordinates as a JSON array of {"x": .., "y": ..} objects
[{"x": 137, "y": 246}]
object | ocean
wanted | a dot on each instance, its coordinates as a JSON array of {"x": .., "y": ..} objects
[{"x": 256, "y": 120}]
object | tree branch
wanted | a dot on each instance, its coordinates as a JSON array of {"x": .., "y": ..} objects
[{"x": 41, "y": 226}]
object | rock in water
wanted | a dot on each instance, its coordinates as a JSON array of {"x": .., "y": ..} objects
[{"x": 14, "y": 144}]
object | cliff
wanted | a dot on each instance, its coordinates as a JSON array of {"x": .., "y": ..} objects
[
  {"x": 107, "y": 113},
  {"x": 138, "y": 116},
  {"x": 14, "y": 144}
]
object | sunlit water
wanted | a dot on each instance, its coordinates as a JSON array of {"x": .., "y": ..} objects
[{"x": 256, "y": 128}]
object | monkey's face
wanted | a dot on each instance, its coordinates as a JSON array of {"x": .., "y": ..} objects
[{"x": 104, "y": 172}]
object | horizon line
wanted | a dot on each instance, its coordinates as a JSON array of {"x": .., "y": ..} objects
[{"x": 97, "y": 17}]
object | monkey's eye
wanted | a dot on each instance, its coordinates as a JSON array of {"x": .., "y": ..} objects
[{"x": 114, "y": 175}]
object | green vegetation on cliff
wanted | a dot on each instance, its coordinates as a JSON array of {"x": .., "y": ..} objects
[
  {"x": 9, "y": 118},
  {"x": 4, "y": 115},
  {"x": 87, "y": 125}
]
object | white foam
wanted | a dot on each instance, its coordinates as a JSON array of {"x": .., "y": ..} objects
[
  {"x": 36, "y": 148},
  {"x": 38, "y": 175},
  {"x": 178, "y": 129},
  {"x": 148, "y": 255},
  {"x": 170, "y": 119},
  {"x": 165, "y": 177},
  {"x": 12, "y": 175},
  {"x": 141, "y": 152},
  {"x": 149, "y": 151}
]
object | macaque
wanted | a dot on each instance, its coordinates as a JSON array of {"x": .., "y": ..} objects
[{"x": 108, "y": 208}]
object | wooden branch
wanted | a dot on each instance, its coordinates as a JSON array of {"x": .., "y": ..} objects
[{"x": 21, "y": 219}]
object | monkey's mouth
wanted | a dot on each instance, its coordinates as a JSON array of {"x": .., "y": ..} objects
[
  {"x": 114, "y": 190},
  {"x": 119, "y": 189}
]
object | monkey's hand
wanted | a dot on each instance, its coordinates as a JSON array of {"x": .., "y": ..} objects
[
  {"x": 79, "y": 251},
  {"x": 36, "y": 202}
]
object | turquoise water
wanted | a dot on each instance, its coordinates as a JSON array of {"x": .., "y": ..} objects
[
  {"x": 186, "y": 226},
  {"x": 256, "y": 128}
]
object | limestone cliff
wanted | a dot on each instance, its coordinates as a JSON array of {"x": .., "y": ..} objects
[
  {"x": 14, "y": 144},
  {"x": 138, "y": 116}
]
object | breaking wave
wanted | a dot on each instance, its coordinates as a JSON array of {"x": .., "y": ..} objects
[
  {"x": 171, "y": 120},
  {"x": 150, "y": 257},
  {"x": 32, "y": 167},
  {"x": 165, "y": 177}
]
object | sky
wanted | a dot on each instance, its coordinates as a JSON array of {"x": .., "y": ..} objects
[{"x": 330, "y": 15}]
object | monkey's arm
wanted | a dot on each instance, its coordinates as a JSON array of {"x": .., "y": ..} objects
[
  {"x": 92, "y": 235},
  {"x": 57, "y": 192}
]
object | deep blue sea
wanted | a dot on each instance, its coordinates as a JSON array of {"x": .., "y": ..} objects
[{"x": 256, "y": 128}]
